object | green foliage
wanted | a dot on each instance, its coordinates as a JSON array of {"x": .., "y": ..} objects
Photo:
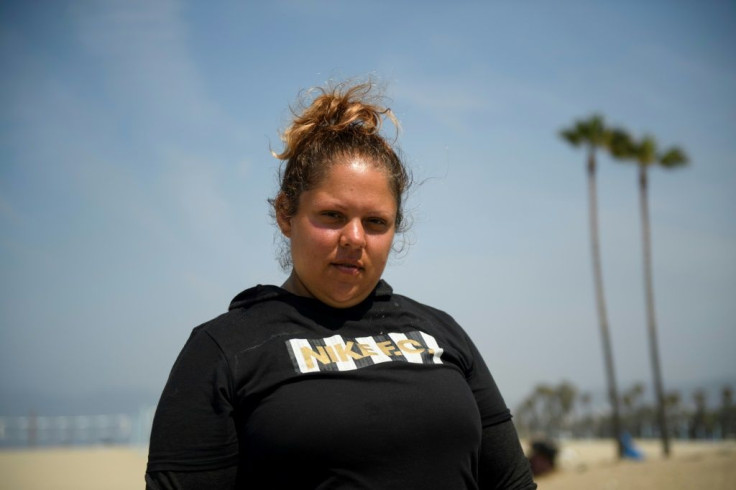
[
  {"x": 591, "y": 131},
  {"x": 644, "y": 151},
  {"x": 548, "y": 409},
  {"x": 563, "y": 411},
  {"x": 622, "y": 145},
  {"x": 674, "y": 157}
]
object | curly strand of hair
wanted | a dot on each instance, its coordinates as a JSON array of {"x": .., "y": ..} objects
[{"x": 334, "y": 110}]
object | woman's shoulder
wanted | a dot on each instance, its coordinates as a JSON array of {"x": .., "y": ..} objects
[
  {"x": 257, "y": 294},
  {"x": 418, "y": 307},
  {"x": 247, "y": 319},
  {"x": 432, "y": 319}
]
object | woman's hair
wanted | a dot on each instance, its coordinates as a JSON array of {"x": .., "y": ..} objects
[{"x": 331, "y": 125}]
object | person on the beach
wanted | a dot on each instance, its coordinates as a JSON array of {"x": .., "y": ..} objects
[{"x": 333, "y": 380}]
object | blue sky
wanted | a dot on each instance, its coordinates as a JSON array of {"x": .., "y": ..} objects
[{"x": 135, "y": 168}]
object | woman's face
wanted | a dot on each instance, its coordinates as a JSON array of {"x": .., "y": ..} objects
[{"x": 342, "y": 234}]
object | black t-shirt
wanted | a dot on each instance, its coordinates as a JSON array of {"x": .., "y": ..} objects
[{"x": 387, "y": 394}]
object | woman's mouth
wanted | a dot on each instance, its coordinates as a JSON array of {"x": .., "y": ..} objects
[{"x": 348, "y": 267}]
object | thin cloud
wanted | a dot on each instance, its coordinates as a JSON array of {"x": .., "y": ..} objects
[{"x": 143, "y": 49}]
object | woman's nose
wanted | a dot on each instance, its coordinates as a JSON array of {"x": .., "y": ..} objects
[{"x": 353, "y": 235}]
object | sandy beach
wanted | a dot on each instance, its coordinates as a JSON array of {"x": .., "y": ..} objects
[
  {"x": 691, "y": 465},
  {"x": 103, "y": 468},
  {"x": 582, "y": 465}
]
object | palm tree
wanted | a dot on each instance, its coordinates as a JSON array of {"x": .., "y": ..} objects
[
  {"x": 698, "y": 422},
  {"x": 646, "y": 154},
  {"x": 592, "y": 134},
  {"x": 727, "y": 412},
  {"x": 585, "y": 423},
  {"x": 672, "y": 403},
  {"x": 630, "y": 400}
]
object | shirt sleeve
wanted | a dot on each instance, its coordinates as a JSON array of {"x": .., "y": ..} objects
[
  {"x": 193, "y": 429},
  {"x": 220, "y": 479},
  {"x": 493, "y": 409},
  {"x": 502, "y": 464}
]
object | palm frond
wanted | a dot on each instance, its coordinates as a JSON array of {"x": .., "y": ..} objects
[
  {"x": 621, "y": 145},
  {"x": 646, "y": 151},
  {"x": 571, "y": 136},
  {"x": 591, "y": 131},
  {"x": 673, "y": 157},
  {"x": 596, "y": 130}
]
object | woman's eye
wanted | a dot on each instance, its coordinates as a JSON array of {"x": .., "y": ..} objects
[{"x": 377, "y": 223}]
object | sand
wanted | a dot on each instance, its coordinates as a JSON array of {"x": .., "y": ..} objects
[
  {"x": 117, "y": 468},
  {"x": 582, "y": 465},
  {"x": 691, "y": 465}
]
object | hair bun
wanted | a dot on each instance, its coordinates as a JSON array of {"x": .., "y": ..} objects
[{"x": 344, "y": 107}]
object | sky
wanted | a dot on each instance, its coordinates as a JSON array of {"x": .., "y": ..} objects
[{"x": 135, "y": 169}]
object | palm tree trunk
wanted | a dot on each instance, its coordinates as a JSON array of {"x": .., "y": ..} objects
[
  {"x": 600, "y": 301},
  {"x": 651, "y": 321}
]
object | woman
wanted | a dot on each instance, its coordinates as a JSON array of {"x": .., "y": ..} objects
[{"x": 332, "y": 380}]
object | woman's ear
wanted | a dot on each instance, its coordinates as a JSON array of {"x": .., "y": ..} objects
[{"x": 282, "y": 218}]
